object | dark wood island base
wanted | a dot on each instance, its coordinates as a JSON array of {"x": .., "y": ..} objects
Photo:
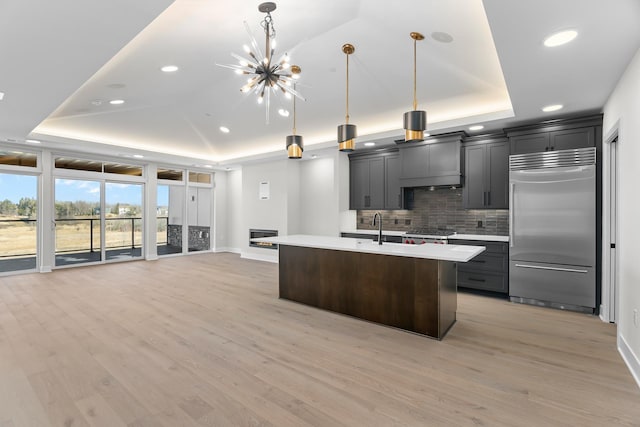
[{"x": 414, "y": 294}]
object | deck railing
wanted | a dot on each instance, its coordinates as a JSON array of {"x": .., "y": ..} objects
[{"x": 18, "y": 237}]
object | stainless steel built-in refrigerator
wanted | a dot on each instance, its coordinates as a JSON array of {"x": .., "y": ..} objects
[{"x": 552, "y": 254}]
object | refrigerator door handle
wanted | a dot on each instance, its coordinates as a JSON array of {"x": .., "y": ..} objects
[
  {"x": 539, "y": 267},
  {"x": 512, "y": 188}
]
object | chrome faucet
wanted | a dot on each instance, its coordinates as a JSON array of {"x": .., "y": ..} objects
[{"x": 379, "y": 216}]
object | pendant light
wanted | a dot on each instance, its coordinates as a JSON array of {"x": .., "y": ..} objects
[
  {"x": 347, "y": 132},
  {"x": 295, "y": 145},
  {"x": 415, "y": 122}
]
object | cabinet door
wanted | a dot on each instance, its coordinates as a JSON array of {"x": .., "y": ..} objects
[
  {"x": 572, "y": 138},
  {"x": 497, "y": 175},
  {"x": 376, "y": 184},
  {"x": 414, "y": 161},
  {"x": 534, "y": 143},
  {"x": 473, "y": 193},
  {"x": 358, "y": 184},
  {"x": 444, "y": 159},
  {"x": 393, "y": 192}
]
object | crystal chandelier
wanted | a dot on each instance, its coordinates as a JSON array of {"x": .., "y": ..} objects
[{"x": 266, "y": 75}]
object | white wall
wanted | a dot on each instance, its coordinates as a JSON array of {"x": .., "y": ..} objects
[
  {"x": 622, "y": 111},
  {"x": 272, "y": 213},
  {"x": 220, "y": 228},
  {"x": 235, "y": 221},
  {"x": 318, "y": 202}
]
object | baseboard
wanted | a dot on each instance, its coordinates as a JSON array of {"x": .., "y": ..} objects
[
  {"x": 260, "y": 257},
  {"x": 152, "y": 258},
  {"x": 46, "y": 269},
  {"x": 630, "y": 358},
  {"x": 227, "y": 249}
]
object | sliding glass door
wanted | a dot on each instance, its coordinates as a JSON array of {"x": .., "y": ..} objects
[
  {"x": 78, "y": 224},
  {"x": 123, "y": 220},
  {"x": 18, "y": 222}
]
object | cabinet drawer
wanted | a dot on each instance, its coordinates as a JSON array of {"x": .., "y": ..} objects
[
  {"x": 486, "y": 262},
  {"x": 495, "y": 282}
]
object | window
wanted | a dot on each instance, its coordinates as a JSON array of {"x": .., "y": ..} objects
[
  {"x": 18, "y": 158},
  {"x": 201, "y": 178},
  {"x": 169, "y": 174}
]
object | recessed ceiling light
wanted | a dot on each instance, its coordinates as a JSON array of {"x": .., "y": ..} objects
[
  {"x": 442, "y": 37},
  {"x": 224, "y": 129},
  {"x": 369, "y": 144},
  {"x": 138, "y": 156},
  {"x": 1, "y": 96},
  {"x": 169, "y": 68},
  {"x": 314, "y": 156},
  {"x": 116, "y": 101},
  {"x": 32, "y": 141},
  {"x": 554, "y": 107},
  {"x": 560, "y": 38},
  {"x": 476, "y": 127},
  {"x": 426, "y": 134},
  {"x": 208, "y": 166},
  {"x": 283, "y": 112}
]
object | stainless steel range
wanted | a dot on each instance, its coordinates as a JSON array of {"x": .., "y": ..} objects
[{"x": 420, "y": 236}]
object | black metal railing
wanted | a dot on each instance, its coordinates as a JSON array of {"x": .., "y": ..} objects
[
  {"x": 132, "y": 224},
  {"x": 11, "y": 225}
]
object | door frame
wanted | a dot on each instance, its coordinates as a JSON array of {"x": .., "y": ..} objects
[{"x": 610, "y": 230}]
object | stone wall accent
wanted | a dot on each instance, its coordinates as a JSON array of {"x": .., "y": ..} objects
[{"x": 440, "y": 208}]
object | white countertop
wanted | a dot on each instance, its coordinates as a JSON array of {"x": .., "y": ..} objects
[
  {"x": 483, "y": 237},
  {"x": 375, "y": 232},
  {"x": 455, "y": 253}
]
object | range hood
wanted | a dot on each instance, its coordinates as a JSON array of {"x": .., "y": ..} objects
[{"x": 434, "y": 162}]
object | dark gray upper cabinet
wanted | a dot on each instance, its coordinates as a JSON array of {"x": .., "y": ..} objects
[
  {"x": 535, "y": 143},
  {"x": 433, "y": 162},
  {"x": 555, "y": 135},
  {"x": 393, "y": 192},
  {"x": 486, "y": 173},
  {"x": 374, "y": 180}
]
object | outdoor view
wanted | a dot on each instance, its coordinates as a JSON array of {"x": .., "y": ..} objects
[
  {"x": 18, "y": 226},
  {"x": 77, "y": 216}
]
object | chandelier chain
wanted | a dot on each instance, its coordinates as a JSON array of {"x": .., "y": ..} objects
[{"x": 267, "y": 25}]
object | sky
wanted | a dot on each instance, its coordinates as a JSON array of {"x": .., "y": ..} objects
[{"x": 14, "y": 187}]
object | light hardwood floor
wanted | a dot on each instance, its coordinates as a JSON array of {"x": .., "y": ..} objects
[{"x": 204, "y": 340}]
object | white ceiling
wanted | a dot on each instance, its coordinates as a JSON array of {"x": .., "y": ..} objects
[{"x": 59, "y": 59}]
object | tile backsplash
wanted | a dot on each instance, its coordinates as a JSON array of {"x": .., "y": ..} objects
[{"x": 440, "y": 208}]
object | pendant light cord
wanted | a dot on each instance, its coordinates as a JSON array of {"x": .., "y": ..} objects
[
  {"x": 415, "y": 68},
  {"x": 347, "y": 116},
  {"x": 294, "y": 111}
]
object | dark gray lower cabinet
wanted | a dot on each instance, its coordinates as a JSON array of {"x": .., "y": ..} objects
[{"x": 489, "y": 271}]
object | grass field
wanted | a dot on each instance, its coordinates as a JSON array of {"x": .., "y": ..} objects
[{"x": 20, "y": 237}]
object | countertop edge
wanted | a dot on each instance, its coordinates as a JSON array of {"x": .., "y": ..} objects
[{"x": 448, "y": 252}]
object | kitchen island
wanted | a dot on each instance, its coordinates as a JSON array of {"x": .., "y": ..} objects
[{"x": 411, "y": 287}]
